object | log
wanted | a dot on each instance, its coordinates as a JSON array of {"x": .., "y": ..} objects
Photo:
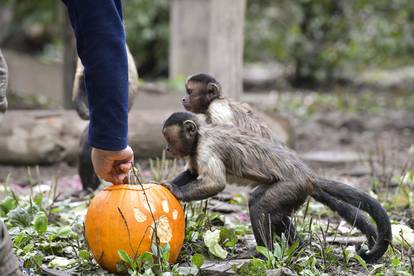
[
  {"x": 29, "y": 137},
  {"x": 46, "y": 137},
  {"x": 38, "y": 137}
]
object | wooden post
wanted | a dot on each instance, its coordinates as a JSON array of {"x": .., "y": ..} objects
[{"x": 207, "y": 36}]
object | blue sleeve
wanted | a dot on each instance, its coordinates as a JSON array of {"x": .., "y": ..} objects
[{"x": 100, "y": 42}]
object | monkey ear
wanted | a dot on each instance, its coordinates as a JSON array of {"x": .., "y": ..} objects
[
  {"x": 190, "y": 127},
  {"x": 213, "y": 91}
]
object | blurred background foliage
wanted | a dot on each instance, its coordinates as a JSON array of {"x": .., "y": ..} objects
[{"x": 318, "y": 40}]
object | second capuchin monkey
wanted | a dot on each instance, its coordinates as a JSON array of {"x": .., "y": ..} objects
[
  {"x": 220, "y": 154},
  {"x": 204, "y": 96}
]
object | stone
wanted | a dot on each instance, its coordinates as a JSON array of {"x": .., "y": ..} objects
[
  {"x": 280, "y": 272},
  {"x": 222, "y": 207},
  {"x": 333, "y": 157},
  {"x": 214, "y": 268}
]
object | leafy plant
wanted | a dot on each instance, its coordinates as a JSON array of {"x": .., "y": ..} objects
[
  {"x": 144, "y": 265},
  {"x": 46, "y": 232}
]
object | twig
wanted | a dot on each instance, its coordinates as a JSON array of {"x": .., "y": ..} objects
[{"x": 152, "y": 215}]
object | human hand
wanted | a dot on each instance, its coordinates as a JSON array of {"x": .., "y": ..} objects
[{"x": 112, "y": 166}]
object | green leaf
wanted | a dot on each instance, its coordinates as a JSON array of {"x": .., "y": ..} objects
[
  {"x": 165, "y": 252},
  {"x": 254, "y": 267},
  {"x": 211, "y": 240},
  {"x": 277, "y": 252},
  {"x": 395, "y": 262},
  {"x": 84, "y": 254},
  {"x": 292, "y": 248},
  {"x": 147, "y": 259},
  {"x": 361, "y": 262},
  {"x": 40, "y": 222},
  {"x": 197, "y": 260},
  {"x": 38, "y": 259},
  {"x": 38, "y": 199},
  {"x": 8, "y": 204},
  {"x": 228, "y": 237},
  {"x": 263, "y": 250},
  {"x": 19, "y": 216},
  {"x": 64, "y": 232},
  {"x": 125, "y": 257}
]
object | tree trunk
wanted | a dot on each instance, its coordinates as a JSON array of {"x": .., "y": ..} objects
[{"x": 208, "y": 39}]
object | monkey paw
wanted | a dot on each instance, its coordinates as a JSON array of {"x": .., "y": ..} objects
[
  {"x": 166, "y": 184},
  {"x": 173, "y": 189}
]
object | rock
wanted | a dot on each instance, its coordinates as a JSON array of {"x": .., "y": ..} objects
[
  {"x": 280, "y": 272},
  {"x": 222, "y": 207},
  {"x": 246, "y": 247},
  {"x": 333, "y": 157},
  {"x": 214, "y": 268},
  {"x": 346, "y": 240},
  {"x": 54, "y": 272}
]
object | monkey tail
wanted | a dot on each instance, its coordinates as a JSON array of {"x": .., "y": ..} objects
[{"x": 347, "y": 201}]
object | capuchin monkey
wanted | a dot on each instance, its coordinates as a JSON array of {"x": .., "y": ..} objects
[
  {"x": 80, "y": 99},
  {"x": 218, "y": 154},
  {"x": 203, "y": 96}
]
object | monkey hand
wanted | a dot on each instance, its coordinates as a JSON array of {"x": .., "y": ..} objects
[{"x": 173, "y": 189}]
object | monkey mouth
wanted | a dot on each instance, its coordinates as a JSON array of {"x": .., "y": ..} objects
[{"x": 187, "y": 106}]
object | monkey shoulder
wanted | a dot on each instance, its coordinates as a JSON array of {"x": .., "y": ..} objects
[{"x": 220, "y": 112}]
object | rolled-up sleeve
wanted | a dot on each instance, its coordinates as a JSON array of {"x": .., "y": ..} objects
[{"x": 100, "y": 41}]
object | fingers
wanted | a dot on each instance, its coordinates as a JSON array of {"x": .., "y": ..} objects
[
  {"x": 119, "y": 178},
  {"x": 125, "y": 167},
  {"x": 112, "y": 166}
]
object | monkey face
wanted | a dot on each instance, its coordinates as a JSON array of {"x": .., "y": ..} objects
[
  {"x": 176, "y": 143},
  {"x": 180, "y": 142},
  {"x": 196, "y": 99}
]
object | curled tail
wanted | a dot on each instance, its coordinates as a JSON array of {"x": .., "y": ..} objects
[{"x": 348, "y": 202}]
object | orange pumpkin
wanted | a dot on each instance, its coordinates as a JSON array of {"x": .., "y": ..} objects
[{"x": 106, "y": 231}]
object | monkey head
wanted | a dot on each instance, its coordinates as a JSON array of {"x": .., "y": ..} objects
[
  {"x": 180, "y": 131},
  {"x": 201, "y": 90}
]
